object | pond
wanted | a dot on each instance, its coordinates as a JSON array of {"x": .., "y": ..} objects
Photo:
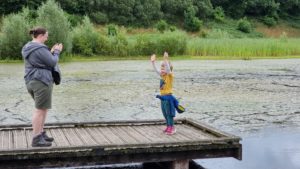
[{"x": 236, "y": 96}]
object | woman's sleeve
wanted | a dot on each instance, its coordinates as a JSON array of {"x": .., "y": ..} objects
[{"x": 48, "y": 58}]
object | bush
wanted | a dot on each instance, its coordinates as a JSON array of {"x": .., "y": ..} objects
[
  {"x": 172, "y": 28},
  {"x": 173, "y": 42},
  {"x": 112, "y": 30},
  {"x": 87, "y": 41},
  {"x": 118, "y": 45},
  {"x": 269, "y": 21},
  {"x": 161, "y": 26},
  {"x": 74, "y": 19},
  {"x": 218, "y": 34},
  {"x": 53, "y": 18},
  {"x": 99, "y": 18},
  {"x": 244, "y": 25},
  {"x": 219, "y": 14},
  {"x": 191, "y": 23},
  {"x": 146, "y": 44},
  {"x": 14, "y": 35}
]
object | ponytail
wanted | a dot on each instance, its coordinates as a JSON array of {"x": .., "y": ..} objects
[{"x": 35, "y": 32}]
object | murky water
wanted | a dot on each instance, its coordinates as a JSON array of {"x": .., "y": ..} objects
[
  {"x": 271, "y": 148},
  {"x": 241, "y": 97}
]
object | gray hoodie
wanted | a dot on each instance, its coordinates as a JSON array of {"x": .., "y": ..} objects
[{"x": 37, "y": 55}]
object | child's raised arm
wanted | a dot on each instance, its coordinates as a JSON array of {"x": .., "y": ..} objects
[
  {"x": 167, "y": 63},
  {"x": 153, "y": 58}
]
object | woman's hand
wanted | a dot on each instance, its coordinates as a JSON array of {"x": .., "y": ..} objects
[
  {"x": 57, "y": 46},
  {"x": 53, "y": 48},
  {"x": 153, "y": 58}
]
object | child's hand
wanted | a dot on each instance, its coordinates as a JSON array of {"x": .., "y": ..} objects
[
  {"x": 166, "y": 56},
  {"x": 153, "y": 58}
]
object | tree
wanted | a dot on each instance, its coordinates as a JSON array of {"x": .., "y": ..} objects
[
  {"x": 121, "y": 11},
  {"x": 52, "y": 17},
  {"x": 87, "y": 41},
  {"x": 191, "y": 23},
  {"x": 147, "y": 12},
  {"x": 15, "y": 34}
]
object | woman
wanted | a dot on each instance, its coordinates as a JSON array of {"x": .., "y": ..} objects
[{"x": 39, "y": 82}]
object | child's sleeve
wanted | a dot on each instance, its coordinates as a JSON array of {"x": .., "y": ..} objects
[
  {"x": 167, "y": 66},
  {"x": 155, "y": 68}
]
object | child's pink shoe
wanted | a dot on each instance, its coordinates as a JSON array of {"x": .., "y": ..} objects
[
  {"x": 171, "y": 131},
  {"x": 168, "y": 128}
]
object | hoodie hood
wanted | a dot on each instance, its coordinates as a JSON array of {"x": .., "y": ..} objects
[{"x": 30, "y": 47}]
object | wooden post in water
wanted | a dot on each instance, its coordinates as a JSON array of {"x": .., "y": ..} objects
[{"x": 180, "y": 164}]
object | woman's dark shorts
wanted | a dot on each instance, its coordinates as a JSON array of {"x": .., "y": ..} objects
[{"x": 41, "y": 94}]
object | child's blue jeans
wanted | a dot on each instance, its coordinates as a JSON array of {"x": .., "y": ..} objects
[{"x": 166, "y": 110}]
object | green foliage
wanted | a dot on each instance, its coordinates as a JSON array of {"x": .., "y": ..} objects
[
  {"x": 87, "y": 41},
  {"x": 191, "y": 23},
  {"x": 233, "y": 8},
  {"x": 53, "y": 18},
  {"x": 14, "y": 35},
  {"x": 146, "y": 12},
  {"x": 205, "y": 9},
  {"x": 218, "y": 34},
  {"x": 174, "y": 9},
  {"x": 118, "y": 45},
  {"x": 74, "y": 19},
  {"x": 112, "y": 30},
  {"x": 244, "y": 25},
  {"x": 173, "y": 42},
  {"x": 269, "y": 21},
  {"x": 219, "y": 14},
  {"x": 289, "y": 7},
  {"x": 172, "y": 28},
  {"x": 146, "y": 44},
  {"x": 121, "y": 11},
  {"x": 162, "y": 26},
  {"x": 243, "y": 48},
  {"x": 99, "y": 17},
  {"x": 262, "y": 8}
]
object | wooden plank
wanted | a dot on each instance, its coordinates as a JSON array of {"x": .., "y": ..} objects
[
  {"x": 20, "y": 141},
  {"x": 136, "y": 135},
  {"x": 2, "y": 140},
  {"x": 197, "y": 134},
  {"x": 113, "y": 139},
  {"x": 177, "y": 137},
  {"x": 97, "y": 136},
  {"x": 28, "y": 135},
  {"x": 124, "y": 135},
  {"x": 72, "y": 137},
  {"x": 60, "y": 138},
  {"x": 157, "y": 136},
  {"x": 8, "y": 140},
  {"x": 86, "y": 138}
]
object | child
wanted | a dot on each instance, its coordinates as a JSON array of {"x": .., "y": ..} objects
[{"x": 168, "y": 102}]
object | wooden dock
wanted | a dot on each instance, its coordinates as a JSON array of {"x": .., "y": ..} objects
[{"x": 99, "y": 143}]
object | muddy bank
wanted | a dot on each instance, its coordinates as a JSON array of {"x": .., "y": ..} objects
[{"x": 236, "y": 96}]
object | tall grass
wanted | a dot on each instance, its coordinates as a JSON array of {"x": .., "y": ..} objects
[{"x": 243, "y": 47}]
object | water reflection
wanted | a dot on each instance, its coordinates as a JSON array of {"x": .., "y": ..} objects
[{"x": 270, "y": 149}]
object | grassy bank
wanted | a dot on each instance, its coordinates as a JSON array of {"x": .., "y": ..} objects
[
  {"x": 244, "y": 48},
  {"x": 112, "y": 58},
  {"x": 195, "y": 47}
]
